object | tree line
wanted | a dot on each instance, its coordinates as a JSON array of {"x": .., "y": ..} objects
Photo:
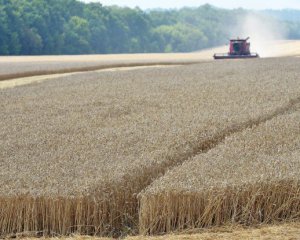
[{"x": 36, "y": 27}]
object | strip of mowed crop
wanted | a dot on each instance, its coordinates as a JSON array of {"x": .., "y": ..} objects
[
  {"x": 76, "y": 151},
  {"x": 27, "y": 66},
  {"x": 252, "y": 178},
  {"x": 12, "y": 67}
]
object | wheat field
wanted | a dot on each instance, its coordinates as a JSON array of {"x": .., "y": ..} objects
[
  {"x": 25, "y": 66},
  {"x": 76, "y": 151},
  {"x": 11, "y": 83},
  {"x": 251, "y": 178}
]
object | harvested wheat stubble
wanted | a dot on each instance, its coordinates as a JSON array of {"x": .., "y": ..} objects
[
  {"x": 37, "y": 79},
  {"x": 287, "y": 231},
  {"x": 26, "y": 66},
  {"x": 253, "y": 177},
  {"x": 76, "y": 151}
]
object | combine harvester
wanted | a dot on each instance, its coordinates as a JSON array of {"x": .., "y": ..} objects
[{"x": 239, "y": 48}]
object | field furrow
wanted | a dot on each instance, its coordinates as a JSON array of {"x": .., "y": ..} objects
[
  {"x": 75, "y": 151},
  {"x": 251, "y": 178}
]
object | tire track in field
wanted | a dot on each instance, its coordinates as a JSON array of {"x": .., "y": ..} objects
[
  {"x": 209, "y": 144},
  {"x": 149, "y": 175}
]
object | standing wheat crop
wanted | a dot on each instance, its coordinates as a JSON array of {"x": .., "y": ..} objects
[
  {"x": 75, "y": 151},
  {"x": 252, "y": 178}
]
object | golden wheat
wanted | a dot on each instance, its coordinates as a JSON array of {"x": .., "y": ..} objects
[
  {"x": 18, "y": 67},
  {"x": 75, "y": 151},
  {"x": 26, "y": 66},
  {"x": 253, "y": 177}
]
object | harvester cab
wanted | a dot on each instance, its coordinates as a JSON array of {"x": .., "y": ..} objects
[{"x": 238, "y": 48}]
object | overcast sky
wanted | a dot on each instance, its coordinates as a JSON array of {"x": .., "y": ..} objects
[{"x": 249, "y": 4}]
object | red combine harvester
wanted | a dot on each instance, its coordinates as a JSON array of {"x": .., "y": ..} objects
[{"x": 239, "y": 48}]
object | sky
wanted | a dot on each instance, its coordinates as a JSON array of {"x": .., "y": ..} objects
[{"x": 248, "y": 4}]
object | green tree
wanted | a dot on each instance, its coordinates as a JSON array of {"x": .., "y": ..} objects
[
  {"x": 4, "y": 33},
  {"x": 181, "y": 37},
  {"x": 11, "y": 25},
  {"x": 77, "y": 36},
  {"x": 97, "y": 16},
  {"x": 75, "y": 27}
]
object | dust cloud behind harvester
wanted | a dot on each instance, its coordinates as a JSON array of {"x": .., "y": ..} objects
[{"x": 263, "y": 32}]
